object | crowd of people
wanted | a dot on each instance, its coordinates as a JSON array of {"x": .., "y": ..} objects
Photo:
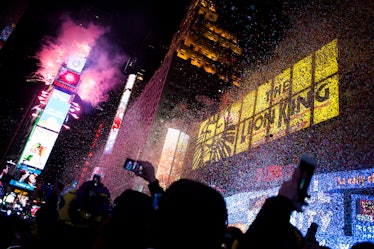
[{"x": 188, "y": 214}]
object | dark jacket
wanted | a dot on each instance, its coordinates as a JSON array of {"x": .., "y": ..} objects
[{"x": 92, "y": 203}]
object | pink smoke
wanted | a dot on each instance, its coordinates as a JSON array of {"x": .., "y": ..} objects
[{"x": 101, "y": 71}]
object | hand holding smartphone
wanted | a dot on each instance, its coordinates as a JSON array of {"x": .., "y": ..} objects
[
  {"x": 132, "y": 165},
  {"x": 310, "y": 235},
  {"x": 307, "y": 166}
]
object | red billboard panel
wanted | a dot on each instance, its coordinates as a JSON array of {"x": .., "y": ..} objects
[{"x": 68, "y": 77}]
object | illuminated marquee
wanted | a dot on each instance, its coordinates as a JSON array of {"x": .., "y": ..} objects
[
  {"x": 76, "y": 63},
  {"x": 64, "y": 87},
  {"x": 305, "y": 94},
  {"x": 38, "y": 147},
  {"x": 67, "y": 80},
  {"x": 54, "y": 114},
  {"x": 119, "y": 115},
  {"x": 172, "y": 156},
  {"x": 68, "y": 77}
]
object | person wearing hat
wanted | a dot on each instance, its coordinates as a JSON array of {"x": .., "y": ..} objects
[{"x": 93, "y": 200}]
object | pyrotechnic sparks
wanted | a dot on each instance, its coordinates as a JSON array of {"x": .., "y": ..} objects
[{"x": 102, "y": 71}]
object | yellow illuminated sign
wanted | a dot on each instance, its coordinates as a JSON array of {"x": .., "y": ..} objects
[{"x": 305, "y": 94}]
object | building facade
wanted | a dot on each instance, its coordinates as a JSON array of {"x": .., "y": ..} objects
[
  {"x": 312, "y": 95},
  {"x": 201, "y": 63}
]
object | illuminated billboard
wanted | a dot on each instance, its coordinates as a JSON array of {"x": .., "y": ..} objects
[
  {"x": 119, "y": 114},
  {"x": 38, "y": 147},
  {"x": 76, "y": 63},
  {"x": 25, "y": 177},
  {"x": 54, "y": 114},
  {"x": 67, "y": 80},
  {"x": 172, "y": 156},
  {"x": 68, "y": 77},
  {"x": 329, "y": 192},
  {"x": 305, "y": 94},
  {"x": 5, "y": 33}
]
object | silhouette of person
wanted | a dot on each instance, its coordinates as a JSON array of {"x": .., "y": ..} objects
[
  {"x": 129, "y": 223},
  {"x": 93, "y": 199},
  {"x": 190, "y": 215},
  {"x": 363, "y": 245},
  {"x": 271, "y": 227}
]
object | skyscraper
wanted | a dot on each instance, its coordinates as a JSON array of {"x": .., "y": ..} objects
[{"x": 201, "y": 63}]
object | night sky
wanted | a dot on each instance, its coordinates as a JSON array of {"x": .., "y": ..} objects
[{"x": 134, "y": 25}]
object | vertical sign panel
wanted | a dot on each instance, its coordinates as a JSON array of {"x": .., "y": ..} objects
[
  {"x": 55, "y": 112},
  {"x": 38, "y": 147}
]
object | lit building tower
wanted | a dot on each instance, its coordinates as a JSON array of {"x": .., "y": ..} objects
[
  {"x": 50, "y": 115},
  {"x": 61, "y": 73},
  {"x": 199, "y": 65},
  {"x": 113, "y": 133}
]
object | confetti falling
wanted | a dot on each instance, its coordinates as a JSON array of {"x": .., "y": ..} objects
[{"x": 343, "y": 146}]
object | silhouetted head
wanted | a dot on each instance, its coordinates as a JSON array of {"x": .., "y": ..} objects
[
  {"x": 132, "y": 206},
  {"x": 96, "y": 178},
  {"x": 60, "y": 185},
  {"x": 232, "y": 235},
  {"x": 363, "y": 245},
  {"x": 191, "y": 215},
  {"x": 131, "y": 218}
]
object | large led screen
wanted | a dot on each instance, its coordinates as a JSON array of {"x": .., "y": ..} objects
[
  {"x": 305, "y": 94},
  {"x": 25, "y": 177},
  {"x": 119, "y": 114},
  {"x": 38, "y": 147},
  {"x": 5, "y": 33},
  {"x": 76, "y": 63},
  {"x": 67, "y": 80},
  {"x": 68, "y": 77},
  {"x": 54, "y": 114},
  {"x": 172, "y": 156},
  {"x": 341, "y": 204}
]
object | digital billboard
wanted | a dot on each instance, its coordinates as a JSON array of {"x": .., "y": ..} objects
[
  {"x": 119, "y": 114},
  {"x": 305, "y": 94},
  {"x": 25, "y": 177},
  {"x": 67, "y": 80},
  {"x": 38, "y": 147},
  {"x": 341, "y": 204},
  {"x": 172, "y": 156},
  {"x": 6, "y": 32},
  {"x": 76, "y": 63},
  {"x": 68, "y": 77},
  {"x": 362, "y": 207},
  {"x": 54, "y": 114}
]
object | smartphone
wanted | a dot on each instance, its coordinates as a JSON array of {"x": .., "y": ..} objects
[
  {"x": 311, "y": 233},
  {"x": 307, "y": 166},
  {"x": 156, "y": 200},
  {"x": 132, "y": 165}
]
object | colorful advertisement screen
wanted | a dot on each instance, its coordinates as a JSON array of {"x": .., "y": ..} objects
[
  {"x": 25, "y": 177},
  {"x": 4, "y": 35},
  {"x": 55, "y": 111},
  {"x": 67, "y": 80},
  {"x": 38, "y": 147},
  {"x": 68, "y": 77},
  {"x": 172, "y": 156},
  {"x": 341, "y": 204},
  {"x": 119, "y": 115},
  {"x": 76, "y": 63},
  {"x": 363, "y": 215},
  {"x": 276, "y": 108}
]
